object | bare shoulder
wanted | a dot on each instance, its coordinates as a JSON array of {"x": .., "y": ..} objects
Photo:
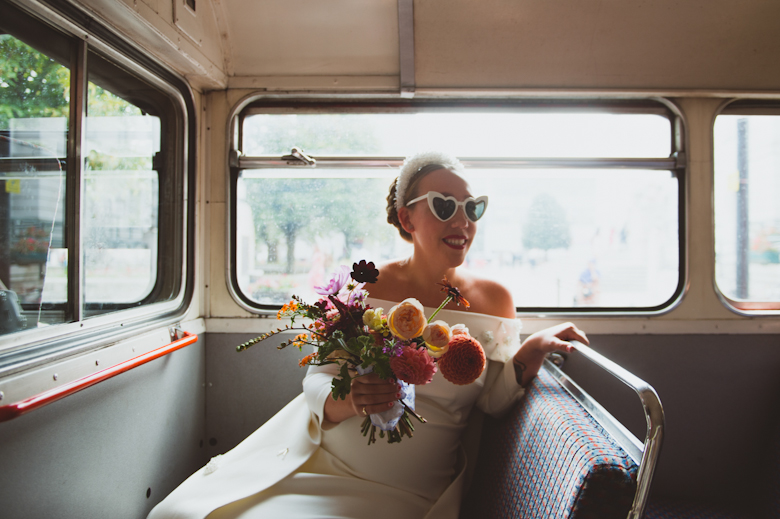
[
  {"x": 391, "y": 279},
  {"x": 489, "y": 297}
]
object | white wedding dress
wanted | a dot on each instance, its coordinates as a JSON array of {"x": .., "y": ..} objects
[{"x": 344, "y": 477}]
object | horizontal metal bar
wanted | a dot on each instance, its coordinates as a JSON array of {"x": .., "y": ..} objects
[
  {"x": 654, "y": 416},
  {"x": 11, "y": 411},
  {"x": 671, "y": 163}
]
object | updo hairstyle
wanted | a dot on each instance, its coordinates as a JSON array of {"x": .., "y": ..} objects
[{"x": 404, "y": 187}]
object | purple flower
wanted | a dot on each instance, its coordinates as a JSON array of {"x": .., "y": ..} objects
[
  {"x": 393, "y": 346},
  {"x": 336, "y": 283}
]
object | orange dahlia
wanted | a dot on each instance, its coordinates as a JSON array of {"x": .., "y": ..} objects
[{"x": 464, "y": 361}]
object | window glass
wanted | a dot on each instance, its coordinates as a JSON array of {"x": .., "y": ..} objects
[
  {"x": 747, "y": 216},
  {"x": 120, "y": 217},
  {"x": 483, "y": 134},
  {"x": 34, "y": 105},
  {"x": 131, "y": 248},
  {"x": 556, "y": 238}
]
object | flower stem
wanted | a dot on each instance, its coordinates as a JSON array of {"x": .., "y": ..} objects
[{"x": 442, "y": 305}]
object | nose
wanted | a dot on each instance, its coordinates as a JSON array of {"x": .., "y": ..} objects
[{"x": 459, "y": 220}]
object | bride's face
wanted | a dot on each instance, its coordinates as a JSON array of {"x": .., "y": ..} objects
[{"x": 445, "y": 242}]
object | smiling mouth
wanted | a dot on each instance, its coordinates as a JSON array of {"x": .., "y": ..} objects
[{"x": 455, "y": 242}]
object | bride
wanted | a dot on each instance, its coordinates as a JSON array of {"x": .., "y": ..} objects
[{"x": 311, "y": 460}]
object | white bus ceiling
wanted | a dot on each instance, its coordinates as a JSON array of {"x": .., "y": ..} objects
[{"x": 116, "y": 448}]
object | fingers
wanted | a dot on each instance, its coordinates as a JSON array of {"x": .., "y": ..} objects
[
  {"x": 373, "y": 394},
  {"x": 569, "y": 332}
]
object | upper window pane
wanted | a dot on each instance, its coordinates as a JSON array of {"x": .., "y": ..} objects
[
  {"x": 486, "y": 134},
  {"x": 747, "y": 216},
  {"x": 34, "y": 105}
]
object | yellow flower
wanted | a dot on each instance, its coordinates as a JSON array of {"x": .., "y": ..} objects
[
  {"x": 406, "y": 320},
  {"x": 437, "y": 336},
  {"x": 373, "y": 319}
]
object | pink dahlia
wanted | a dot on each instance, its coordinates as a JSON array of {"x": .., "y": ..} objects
[
  {"x": 464, "y": 361},
  {"x": 413, "y": 366}
]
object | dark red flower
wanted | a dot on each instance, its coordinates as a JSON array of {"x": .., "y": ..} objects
[
  {"x": 453, "y": 292},
  {"x": 364, "y": 272}
]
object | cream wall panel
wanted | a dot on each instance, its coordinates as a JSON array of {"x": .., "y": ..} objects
[
  {"x": 304, "y": 37},
  {"x": 151, "y": 26},
  {"x": 611, "y": 44}
]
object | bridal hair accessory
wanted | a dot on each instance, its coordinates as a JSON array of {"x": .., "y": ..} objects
[
  {"x": 402, "y": 345},
  {"x": 415, "y": 163}
]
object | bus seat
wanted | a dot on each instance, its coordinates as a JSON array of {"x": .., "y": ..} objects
[{"x": 550, "y": 458}]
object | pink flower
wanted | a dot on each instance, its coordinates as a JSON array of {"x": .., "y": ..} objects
[
  {"x": 413, "y": 366},
  {"x": 339, "y": 279}
]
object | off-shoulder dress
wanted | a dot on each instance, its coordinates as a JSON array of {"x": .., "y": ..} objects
[{"x": 299, "y": 465}]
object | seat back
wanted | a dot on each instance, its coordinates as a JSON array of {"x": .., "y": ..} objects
[{"x": 549, "y": 458}]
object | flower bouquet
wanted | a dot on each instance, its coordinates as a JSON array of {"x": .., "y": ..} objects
[{"x": 401, "y": 345}]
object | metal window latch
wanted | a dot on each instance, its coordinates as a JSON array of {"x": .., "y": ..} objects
[
  {"x": 176, "y": 332},
  {"x": 158, "y": 162},
  {"x": 298, "y": 158}
]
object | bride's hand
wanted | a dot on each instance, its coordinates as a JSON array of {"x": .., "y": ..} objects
[
  {"x": 372, "y": 394},
  {"x": 530, "y": 356},
  {"x": 556, "y": 338}
]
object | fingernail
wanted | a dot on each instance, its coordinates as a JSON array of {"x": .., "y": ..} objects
[
  {"x": 389, "y": 404},
  {"x": 398, "y": 395}
]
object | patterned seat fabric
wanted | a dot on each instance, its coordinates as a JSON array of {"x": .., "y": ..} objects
[{"x": 548, "y": 458}]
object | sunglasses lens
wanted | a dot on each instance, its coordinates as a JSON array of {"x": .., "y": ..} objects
[
  {"x": 444, "y": 209},
  {"x": 475, "y": 210}
]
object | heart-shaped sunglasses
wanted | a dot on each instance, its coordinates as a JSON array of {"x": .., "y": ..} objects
[{"x": 445, "y": 207}]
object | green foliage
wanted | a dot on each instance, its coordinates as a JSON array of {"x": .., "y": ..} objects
[
  {"x": 290, "y": 208},
  {"x": 342, "y": 384},
  {"x": 34, "y": 85},
  {"x": 31, "y": 84},
  {"x": 102, "y": 103},
  {"x": 547, "y": 227}
]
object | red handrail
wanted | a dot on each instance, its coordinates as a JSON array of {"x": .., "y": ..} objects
[{"x": 11, "y": 411}]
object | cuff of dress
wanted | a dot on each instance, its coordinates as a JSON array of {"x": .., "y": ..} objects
[{"x": 317, "y": 388}]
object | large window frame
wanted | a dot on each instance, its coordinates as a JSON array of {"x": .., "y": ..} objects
[
  {"x": 676, "y": 164},
  {"x": 175, "y": 165}
]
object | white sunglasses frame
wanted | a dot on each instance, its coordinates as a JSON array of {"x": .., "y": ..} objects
[{"x": 430, "y": 195}]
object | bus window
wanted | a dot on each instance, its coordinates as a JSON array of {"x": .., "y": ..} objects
[
  {"x": 747, "y": 217},
  {"x": 83, "y": 231},
  {"x": 583, "y": 213}
]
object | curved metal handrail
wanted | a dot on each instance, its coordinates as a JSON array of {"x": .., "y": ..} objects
[
  {"x": 644, "y": 454},
  {"x": 11, "y": 411}
]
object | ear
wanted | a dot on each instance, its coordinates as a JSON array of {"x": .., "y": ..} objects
[{"x": 404, "y": 216}]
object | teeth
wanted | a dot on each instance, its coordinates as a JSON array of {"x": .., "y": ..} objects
[{"x": 457, "y": 242}]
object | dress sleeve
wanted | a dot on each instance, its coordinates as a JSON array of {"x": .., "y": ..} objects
[
  {"x": 501, "y": 389},
  {"x": 316, "y": 389}
]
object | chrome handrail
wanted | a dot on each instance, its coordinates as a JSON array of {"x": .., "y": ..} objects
[{"x": 644, "y": 454}]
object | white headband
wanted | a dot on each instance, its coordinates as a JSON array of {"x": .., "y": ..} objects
[{"x": 415, "y": 163}]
